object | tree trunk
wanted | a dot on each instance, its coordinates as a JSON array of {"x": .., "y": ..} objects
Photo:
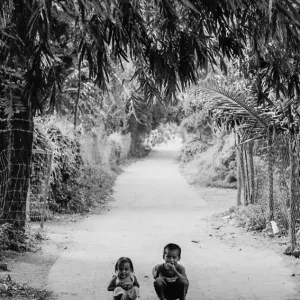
[
  {"x": 239, "y": 176},
  {"x": 247, "y": 181},
  {"x": 270, "y": 176},
  {"x": 243, "y": 176},
  {"x": 78, "y": 94},
  {"x": 15, "y": 150},
  {"x": 294, "y": 165},
  {"x": 251, "y": 172}
]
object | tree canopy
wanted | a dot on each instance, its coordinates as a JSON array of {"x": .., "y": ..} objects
[{"x": 170, "y": 41}]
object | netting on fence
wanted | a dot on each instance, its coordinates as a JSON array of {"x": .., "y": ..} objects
[
  {"x": 15, "y": 168},
  {"x": 39, "y": 185},
  {"x": 24, "y": 186},
  {"x": 4, "y": 178},
  {"x": 24, "y": 172}
]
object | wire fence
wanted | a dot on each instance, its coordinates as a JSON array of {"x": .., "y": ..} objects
[
  {"x": 37, "y": 209},
  {"x": 24, "y": 185}
]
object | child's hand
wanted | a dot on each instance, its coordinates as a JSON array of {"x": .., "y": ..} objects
[
  {"x": 162, "y": 279},
  {"x": 170, "y": 267}
]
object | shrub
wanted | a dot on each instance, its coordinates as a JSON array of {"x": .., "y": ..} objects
[
  {"x": 252, "y": 217},
  {"x": 97, "y": 185},
  {"x": 115, "y": 155},
  {"x": 191, "y": 149},
  {"x": 119, "y": 147},
  {"x": 212, "y": 164},
  {"x": 15, "y": 290},
  {"x": 81, "y": 162},
  {"x": 17, "y": 240},
  {"x": 67, "y": 166}
]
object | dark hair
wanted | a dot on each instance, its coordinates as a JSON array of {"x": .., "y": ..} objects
[
  {"x": 172, "y": 247},
  {"x": 123, "y": 260}
]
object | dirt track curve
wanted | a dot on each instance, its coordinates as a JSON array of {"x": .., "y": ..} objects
[{"x": 153, "y": 206}]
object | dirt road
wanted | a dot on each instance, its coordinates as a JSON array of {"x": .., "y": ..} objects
[{"x": 153, "y": 206}]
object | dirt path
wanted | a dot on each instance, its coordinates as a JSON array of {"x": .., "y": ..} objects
[{"x": 153, "y": 206}]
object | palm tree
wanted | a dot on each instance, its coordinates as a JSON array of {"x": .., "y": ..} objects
[
  {"x": 256, "y": 123},
  {"x": 249, "y": 122}
]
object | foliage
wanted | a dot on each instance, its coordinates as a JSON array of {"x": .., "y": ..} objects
[
  {"x": 67, "y": 166},
  {"x": 22, "y": 290},
  {"x": 53, "y": 46},
  {"x": 281, "y": 191},
  {"x": 17, "y": 240},
  {"x": 9, "y": 238},
  {"x": 84, "y": 165},
  {"x": 225, "y": 169},
  {"x": 252, "y": 217},
  {"x": 121, "y": 145},
  {"x": 255, "y": 217},
  {"x": 97, "y": 185},
  {"x": 202, "y": 136},
  {"x": 170, "y": 42},
  {"x": 210, "y": 165},
  {"x": 88, "y": 106},
  {"x": 198, "y": 123},
  {"x": 168, "y": 130},
  {"x": 163, "y": 133},
  {"x": 145, "y": 118},
  {"x": 191, "y": 149},
  {"x": 222, "y": 100}
]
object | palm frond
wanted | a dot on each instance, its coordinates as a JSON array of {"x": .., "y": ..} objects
[
  {"x": 234, "y": 109},
  {"x": 230, "y": 101}
]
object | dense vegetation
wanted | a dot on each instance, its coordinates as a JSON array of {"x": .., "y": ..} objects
[
  {"x": 239, "y": 149},
  {"x": 108, "y": 69}
]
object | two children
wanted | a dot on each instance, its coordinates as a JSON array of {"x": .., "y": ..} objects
[{"x": 170, "y": 283}]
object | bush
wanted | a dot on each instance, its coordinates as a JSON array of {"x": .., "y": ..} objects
[
  {"x": 15, "y": 290},
  {"x": 211, "y": 164},
  {"x": 97, "y": 185},
  {"x": 67, "y": 165},
  {"x": 191, "y": 149},
  {"x": 252, "y": 217},
  {"x": 17, "y": 240},
  {"x": 81, "y": 162},
  {"x": 119, "y": 146},
  {"x": 280, "y": 193}
]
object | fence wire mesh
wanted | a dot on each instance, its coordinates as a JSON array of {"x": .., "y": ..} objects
[
  {"x": 4, "y": 178},
  {"x": 24, "y": 185}
]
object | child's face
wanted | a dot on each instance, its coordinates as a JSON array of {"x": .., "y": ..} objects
[
  {"x": 124, "y": 270},
  {"x": 171, "y": 257}
]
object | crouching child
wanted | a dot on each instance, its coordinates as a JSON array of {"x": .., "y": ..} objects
[
  {"x": 171, "y": 281},
  {"x": 124, "y": 284}
]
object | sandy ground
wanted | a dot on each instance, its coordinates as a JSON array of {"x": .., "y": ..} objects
[{"x": 153, "y": 206}]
